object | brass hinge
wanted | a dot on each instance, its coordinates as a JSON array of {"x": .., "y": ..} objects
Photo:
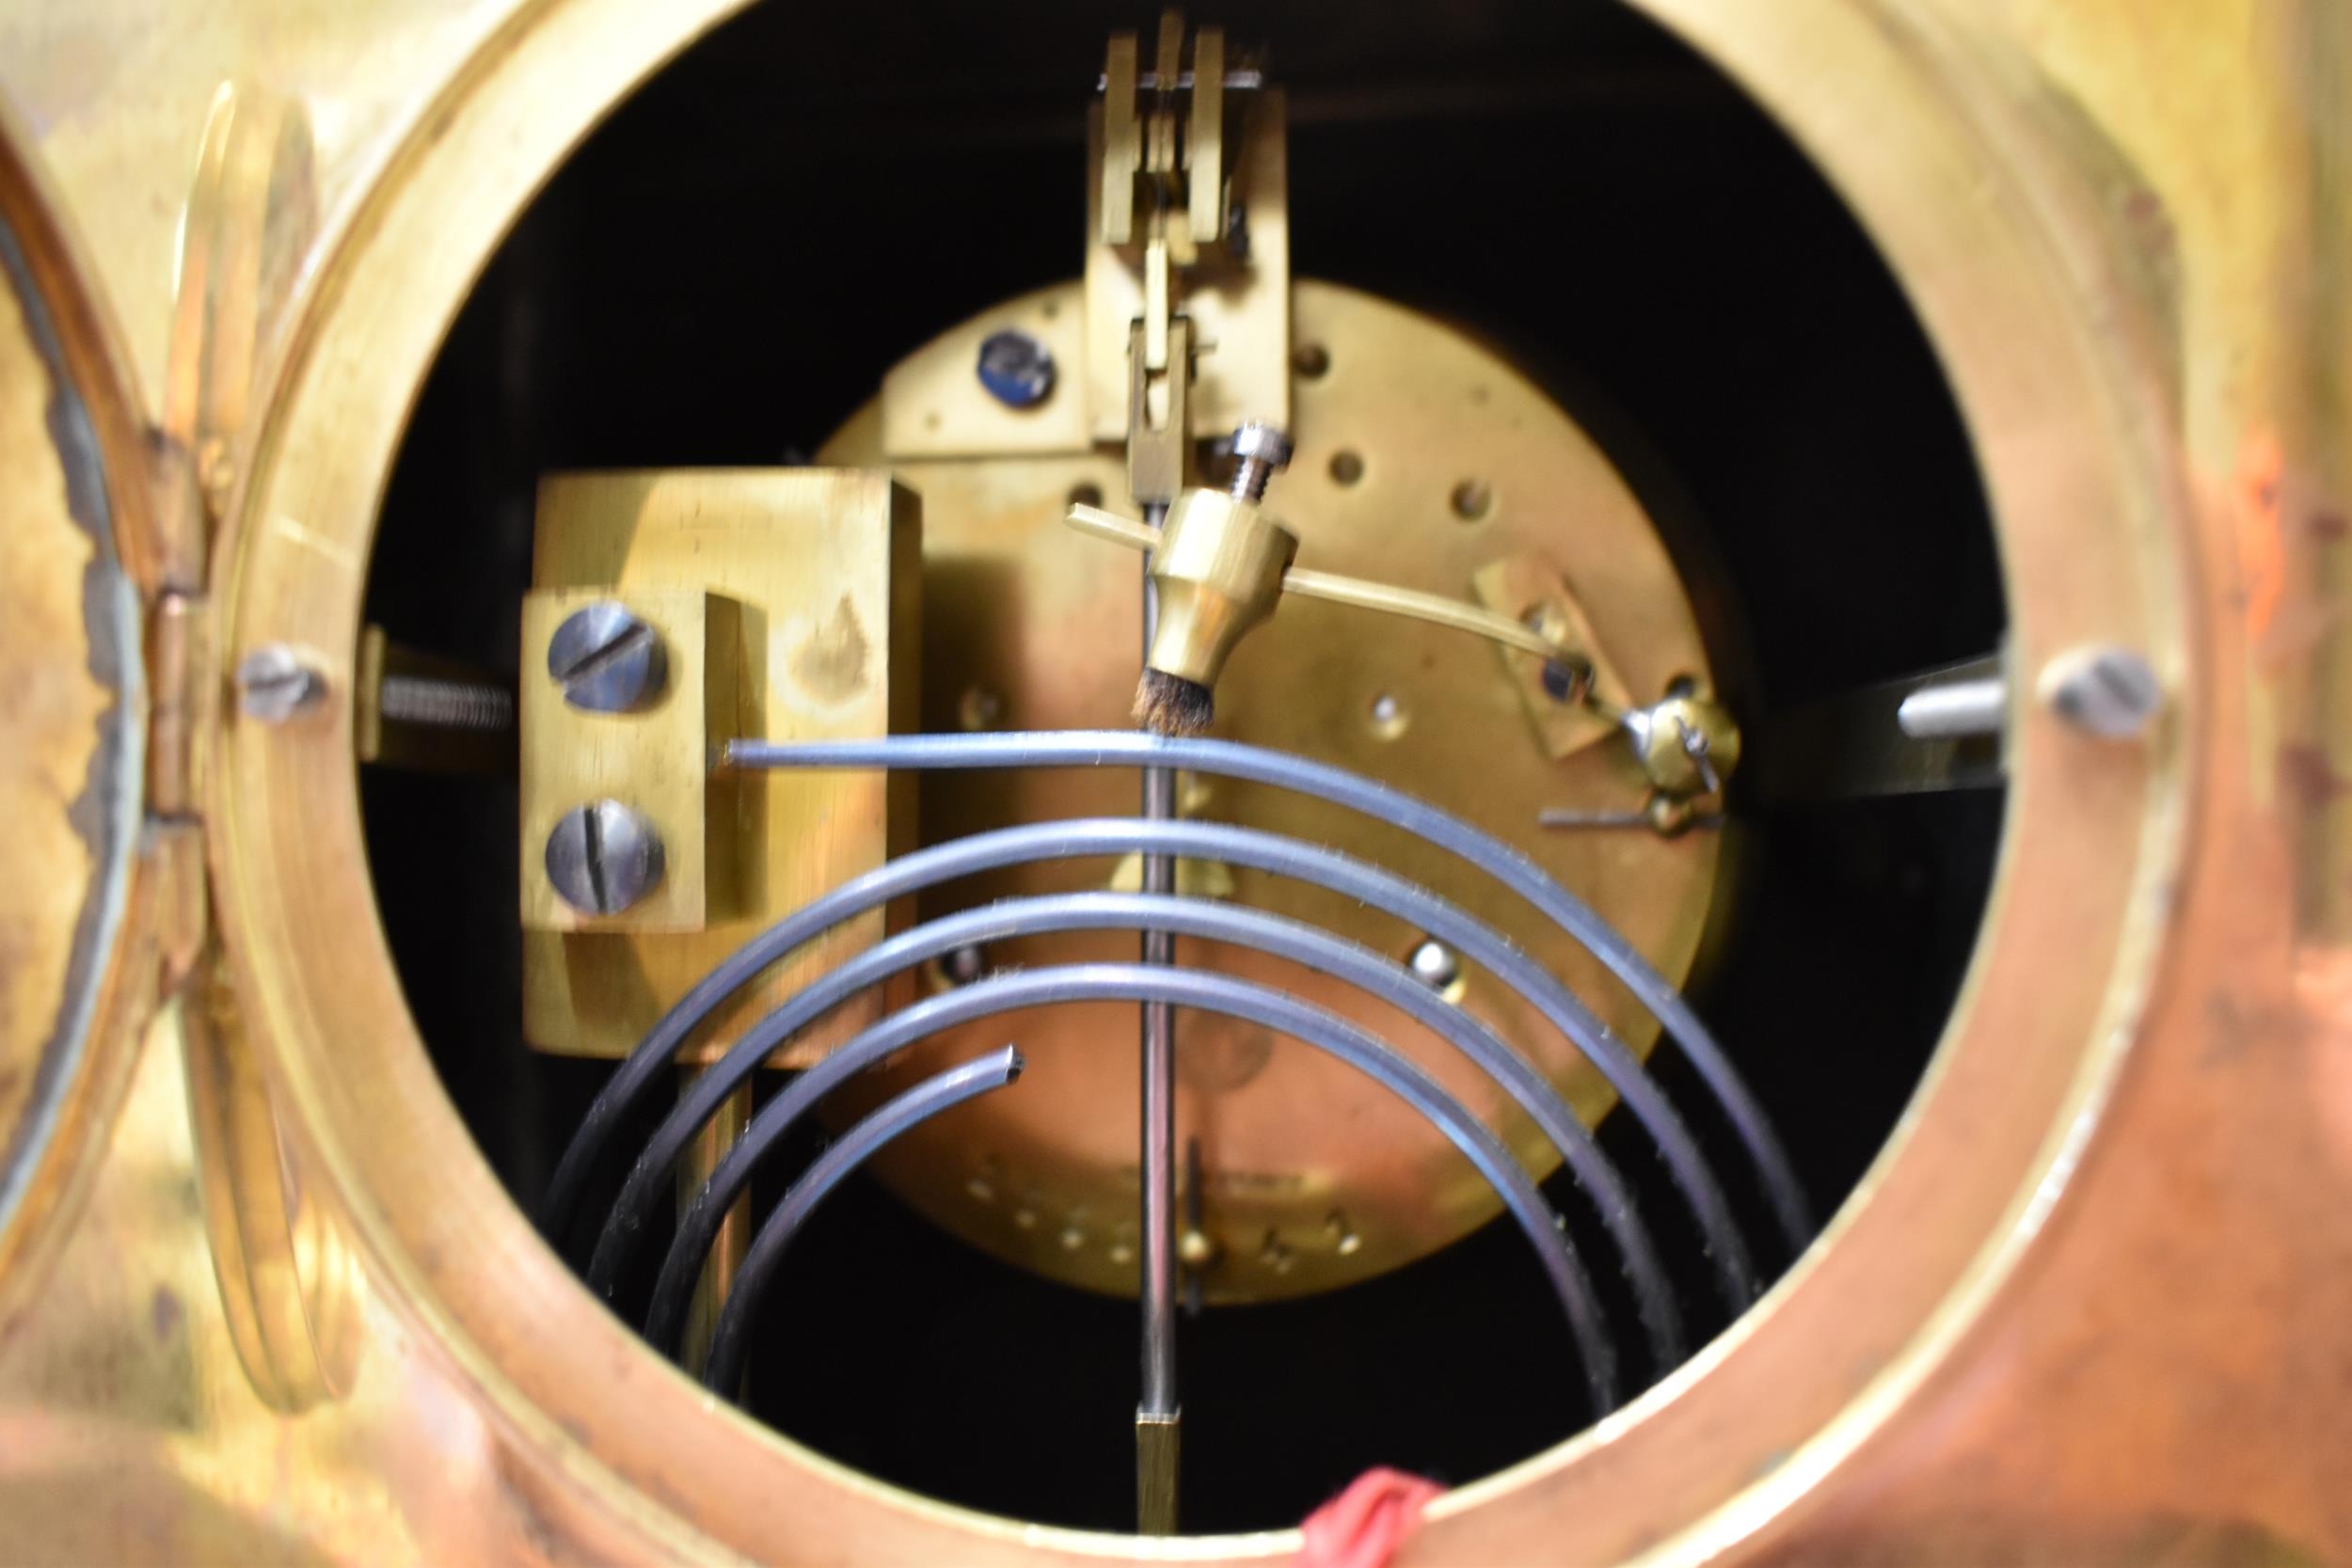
[
  {"x": 245, "y": 229},
  {"x": 181, "y": 669},
  {"x": 184, "y": 691}
]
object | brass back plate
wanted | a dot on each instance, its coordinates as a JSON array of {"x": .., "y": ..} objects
[{"x": 1314, "y": 1178}]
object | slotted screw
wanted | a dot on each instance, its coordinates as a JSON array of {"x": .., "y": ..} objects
[
  {"x": 2104, "y": 690},
  {"x": 603, "y": 856},
  {"x": 274, "y": 683},
  {"x": 607, "y": 659}
]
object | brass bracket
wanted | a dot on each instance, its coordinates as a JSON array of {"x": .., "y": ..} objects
[
  {"x": 1187, "y": 211},
  {"x": 1527, "y": 589},
  {"x": 821, "y": 571},
  {"x": 1159, "y": 443},
  {"x": 1201, "y": 166}
]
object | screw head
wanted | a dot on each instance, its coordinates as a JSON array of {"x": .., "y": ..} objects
[
  {"x": 1569, "y": 678},
  {"x": 274, "y": 685},
  {"x": 607, "y": 659},
  {"x": 1016, "y": 368},
  {"x": 1261, "y": 442},
  {"x": 2104, "y": 690},
  {"x": 1433, "y": 965},
  {"x": 1670, "y": 815},
  {"x": 981, "y": 707},
  {"x": 603, "y": 856},
  {"x": 961, "y": 966}
]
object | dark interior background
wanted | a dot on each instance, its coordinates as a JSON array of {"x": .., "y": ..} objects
[{"x": 725, "y": 271}]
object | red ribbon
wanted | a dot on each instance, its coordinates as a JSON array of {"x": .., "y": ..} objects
[{"x": 1363, "y": 1527}]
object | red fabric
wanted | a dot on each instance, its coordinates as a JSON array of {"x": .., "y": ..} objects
[{"x": 1363, "y": 1526}]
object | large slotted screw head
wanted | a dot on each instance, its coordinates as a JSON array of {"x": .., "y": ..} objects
[
  {"x": 603, "y": 856},
  {"x": 606, "y": 660}
]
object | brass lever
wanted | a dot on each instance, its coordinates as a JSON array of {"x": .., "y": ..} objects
[{"x": 1335, "y": 589}]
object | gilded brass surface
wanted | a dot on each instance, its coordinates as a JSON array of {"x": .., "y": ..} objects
[
  {"x": 1031, "y": 626},
  {"x": 820, "y": 569},
  {"x": 76, "y": 967},
  {"x": 282, "y": 1268},
  {"x": 133, "y": 1428},
  {"x": 2122, "y": 227}
]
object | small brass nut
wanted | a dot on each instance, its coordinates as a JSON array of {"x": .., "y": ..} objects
[{"x": 1670, "y": 815}]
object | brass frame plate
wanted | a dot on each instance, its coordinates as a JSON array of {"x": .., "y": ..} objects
[{"x": 1315, "y": 1178}]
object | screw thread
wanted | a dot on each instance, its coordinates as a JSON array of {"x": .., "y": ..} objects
[
  {"x": 1259, "y": 452},
  {"x": 446, "y": 704}
]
